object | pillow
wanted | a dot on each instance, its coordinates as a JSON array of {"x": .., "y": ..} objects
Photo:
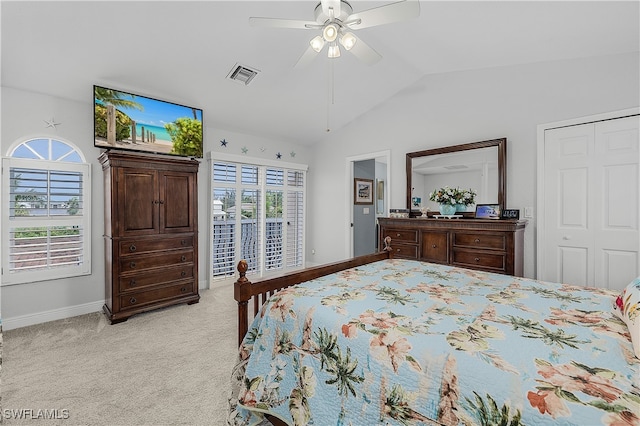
[{"x": 627, "y": 307}]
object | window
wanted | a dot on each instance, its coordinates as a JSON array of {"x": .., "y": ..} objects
[
  {"x": 45, "y": 212},
  {"x": 257, "y": 215}
]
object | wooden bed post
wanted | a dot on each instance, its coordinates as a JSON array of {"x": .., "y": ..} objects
[
  {"x": 387, "y": 246},
  {"x": 242, "y": 293}
]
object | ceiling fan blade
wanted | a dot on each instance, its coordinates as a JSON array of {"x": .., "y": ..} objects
[
  {"x": 364, "y": 52},
  {"x": 283, "y": 23},
  {"x": 394, "y": 12},
  {"x": 306, "y": 58},
  {"x": 331, "y": 4}
]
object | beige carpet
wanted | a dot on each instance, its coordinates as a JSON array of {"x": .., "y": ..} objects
[{"x": 165, "y": 367}]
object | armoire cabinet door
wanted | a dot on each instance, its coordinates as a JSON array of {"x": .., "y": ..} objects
[
  {"x": 177, "y": 192},
  {"x": 137, "y": 202}
]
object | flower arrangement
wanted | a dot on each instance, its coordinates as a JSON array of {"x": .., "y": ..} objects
[
  {"x": 467, "y": 197},
  {"x": 453, "y": 196},
  {"x": 444, "y": 195}
]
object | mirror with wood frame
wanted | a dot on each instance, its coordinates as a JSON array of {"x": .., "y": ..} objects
[{"x": 478, "y": 166}]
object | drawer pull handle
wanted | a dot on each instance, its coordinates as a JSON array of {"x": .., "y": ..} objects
[
  {"x": 477, "y": 259},
  {"x": 183, "y": 289},
  {"x": 397, "y": 235},
  {"x": 477, "y": 240},
  {"x": 183, "y": 258},
  {"x": 132, "y": 247},
  {"x": 183, "y": 242},
  {"x": 398, "y": 250},
  {"x": 434, "y": 246},
  {"x": 183, "y": 273},
  {"x": 133, "y": 265},
  {"x": 132, "y": 283},
  {"x": 133, "y": 300}
]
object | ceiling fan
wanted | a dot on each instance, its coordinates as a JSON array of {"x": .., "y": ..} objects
[{"x": 335, "y": 20}]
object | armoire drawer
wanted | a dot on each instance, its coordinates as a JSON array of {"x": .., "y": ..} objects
[
  {"x": 479, "y": 259},
  {"x": 133, "y": 300},
  {"x": 137, "y": 263},
  {"x": 481, "y": 241},
  {"x": 132, "y": 282},
  {"x": 401, "y": 235},
  {"x": 157, "y": 244}
]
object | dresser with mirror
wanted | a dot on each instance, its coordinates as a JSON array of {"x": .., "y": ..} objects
[{"x": 494, "y": 245}]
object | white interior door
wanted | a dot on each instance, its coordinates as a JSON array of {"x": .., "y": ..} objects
[
  {"x": 568, "y": 157},
  {"x": 617, "y": 182},
  {"x": 591, "y": 204}
]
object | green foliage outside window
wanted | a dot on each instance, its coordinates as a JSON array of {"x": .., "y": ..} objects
[
  {"x": 42, "y": 232},
  {"x": 74, "y": 206}
]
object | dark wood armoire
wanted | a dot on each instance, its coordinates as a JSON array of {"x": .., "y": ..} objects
[{"x": 150, "y": 232}]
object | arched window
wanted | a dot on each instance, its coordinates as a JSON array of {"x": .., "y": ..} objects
[{"x": 46, "y": 211}]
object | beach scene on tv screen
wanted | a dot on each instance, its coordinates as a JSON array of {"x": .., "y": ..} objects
[{"x": 127, "y": 121}]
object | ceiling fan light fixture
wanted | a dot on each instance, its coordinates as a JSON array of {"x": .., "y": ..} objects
[
  {"x": 348, "y": 40},
  {"x": 334, "y": 51},
  {"x": 330, "y": 33},
  {"x": 317, "y": 43}
]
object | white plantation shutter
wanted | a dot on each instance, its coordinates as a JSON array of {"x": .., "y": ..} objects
[
  {"x": 273, "y": 231},
  {"x": 258, "y": 215},
  {"x": 46, "y": 213},
  {"x": 295, "y": 219},
  {"x": 223, "y": 231},
  {"x": 250, "y": 230}
]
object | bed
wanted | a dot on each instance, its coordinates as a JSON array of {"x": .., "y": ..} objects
[{"x": 381, "y": 341}]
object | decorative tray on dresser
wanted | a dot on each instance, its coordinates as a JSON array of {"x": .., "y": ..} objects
[{"x": 484, "y": 244}]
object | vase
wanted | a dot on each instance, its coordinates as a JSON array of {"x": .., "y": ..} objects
[
  {"x": 461, "y": 208},
  {"x": 447, "y": 209}
]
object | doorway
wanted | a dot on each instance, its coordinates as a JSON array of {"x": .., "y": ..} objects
[{"x": 363, "y": 212}]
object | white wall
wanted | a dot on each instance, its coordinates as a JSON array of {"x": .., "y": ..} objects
[
  {"x": 23, "y": 116},
  {"x": 461, "y": 107}
]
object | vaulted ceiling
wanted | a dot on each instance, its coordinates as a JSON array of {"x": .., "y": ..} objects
[{"x": 182, "y": 52}]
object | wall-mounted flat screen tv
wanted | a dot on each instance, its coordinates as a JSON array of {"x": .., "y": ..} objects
[{"x": 132, "y": 122}]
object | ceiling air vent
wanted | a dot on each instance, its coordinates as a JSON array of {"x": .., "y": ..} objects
[{"x": 242, "y": 74}]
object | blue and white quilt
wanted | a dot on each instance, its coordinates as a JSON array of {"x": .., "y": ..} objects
[{"x": 401, "y": 342}]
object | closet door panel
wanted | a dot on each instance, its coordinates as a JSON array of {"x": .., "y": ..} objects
[
  {"x": 592, "y": 203},
  {"x": 616, "y": 211},
  {"x": 568, "y": 185}
]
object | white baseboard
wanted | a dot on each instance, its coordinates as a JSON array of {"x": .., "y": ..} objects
[
  {"x": 62, "y": 313},
  {"x": 55, "y": 314}
]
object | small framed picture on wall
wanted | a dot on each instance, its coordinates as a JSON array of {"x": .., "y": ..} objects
[{"x": 362, "y": 191}]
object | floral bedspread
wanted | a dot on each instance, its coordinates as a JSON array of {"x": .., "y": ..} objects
[{"x": 401, "y": 342}]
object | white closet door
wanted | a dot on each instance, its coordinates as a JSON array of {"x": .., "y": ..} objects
[
  {"x": 617, "y": 186},
  {"x": 568, "y": 183},
  {"x": 592, "y": 203}
]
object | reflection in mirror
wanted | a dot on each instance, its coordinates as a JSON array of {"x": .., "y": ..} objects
[
  {"x": 379, "y": 197},
  {"x": 479, "y": 166},
  {"x": 476, "y": 170}
]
